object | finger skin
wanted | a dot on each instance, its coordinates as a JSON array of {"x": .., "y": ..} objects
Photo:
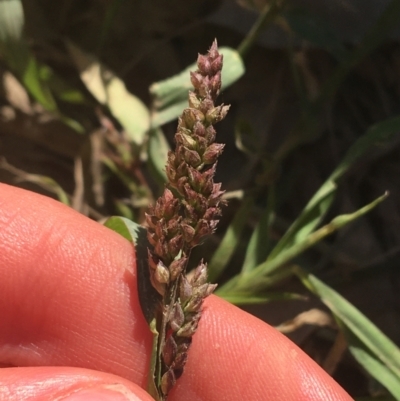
[
  {"x": 67, "y": 290},
  {"x": 56, "y": 383},
  {"x": 68, "y": 297}
]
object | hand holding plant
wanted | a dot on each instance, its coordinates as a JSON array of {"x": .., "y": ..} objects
[{"x": 68, "y": 300}]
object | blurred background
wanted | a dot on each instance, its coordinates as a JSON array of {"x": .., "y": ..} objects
[{"x": 88, "y": 113}]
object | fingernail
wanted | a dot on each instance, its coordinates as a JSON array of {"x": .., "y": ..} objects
[{"x": 112, "y": 392}]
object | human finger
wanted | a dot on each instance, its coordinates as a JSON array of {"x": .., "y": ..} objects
[
  {"x": 74, "y": 293},
  {"x": 66, "y": 384}
]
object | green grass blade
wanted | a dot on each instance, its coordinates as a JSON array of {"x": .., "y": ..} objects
[
  {"x": 158, "y": 154},
  {"x": 229, "y": 243},
  {"x": 37, "y": 87},
  {"x": 251, "y": 299},
  {"x": 47, "y": 183},
  {"x": 126, "y": 179},
  {"x": 316, "y": 208},
  {"x": 252, "y": 279},
  {"x": 170, "y": 95},
  {"x": 369, "y": 336},
  {"x": 259, "y": 244},
  {"x": 372, "y": 364},
  {"x": 309, "y": 218},
  {"x": 376, "y": 135}
]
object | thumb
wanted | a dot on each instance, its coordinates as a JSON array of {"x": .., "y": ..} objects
[{"x": 66, "y": 384}]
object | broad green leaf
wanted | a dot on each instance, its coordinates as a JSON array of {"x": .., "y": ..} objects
[
  {"x": 251, "y": 279},
  {"x": 11, "y": 20},
  {"x": 370, "y": 345},
  {"x": 259, "y": 244},
  {"x": 316, "y": 208},
  {"x": 229, "y": 243},
  {"x": 135, "y": 233},
  {"x": 129, "y": 110},
  {"x": 158, "y": 153},
  {"x": 110, "y": 90},
  {"x": 170, "y": 95},
  {"x": 127, "y": 228}
]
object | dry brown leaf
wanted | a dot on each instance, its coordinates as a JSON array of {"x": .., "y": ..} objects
[{"x": 314, "y": 317}]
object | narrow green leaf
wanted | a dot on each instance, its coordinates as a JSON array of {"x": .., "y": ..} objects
[
  {"x": 170, "y": 95},
  {"x": 123, "y": 209},
  {"x": 38, "y": 89},
  {"x": 252, "y": 278},
  {"x": 251, "y": 299},
  {"x": 229, "y": 243},
  {"x": 51, "y": 185},
  {"x": 135, "y": 233},
  {"x": 259, "y": 244},
  {"x": 309, "y": 218},
  {"x": 369, "y": 336},
  {"x": 378, "y": 134},
  {"x": 372, "y": 364},
  {"x": 48, "y": 183},
  {"x": 269, "y": 14},
  {"x": 75, "y": 125},
  {"x": 109, "y": 90},
  {"x": 316, "y": 208},
  {"x": 234, "y": 285},
  {"x": 158, "y": 153},
  {"x": 125, "y": 178}
]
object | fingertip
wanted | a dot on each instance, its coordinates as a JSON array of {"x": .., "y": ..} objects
[
  {"x": 237, "y": 356},
  {"x": 68, "y": 293},
  {"x": 67, "y": 384}
]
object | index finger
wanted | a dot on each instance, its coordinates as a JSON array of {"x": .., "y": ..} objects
[{"x": 68, "y": 297}]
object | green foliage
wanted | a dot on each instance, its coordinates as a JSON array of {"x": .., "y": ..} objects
[{"x": 379, "y": 356}]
